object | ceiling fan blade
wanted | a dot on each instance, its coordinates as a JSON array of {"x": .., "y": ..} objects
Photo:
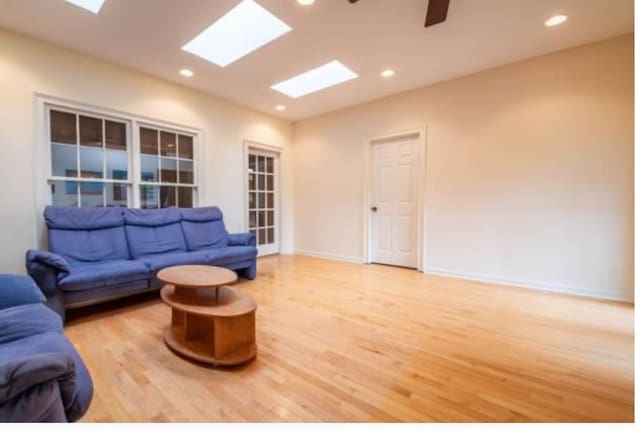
[{"x": 436, "y": 12}]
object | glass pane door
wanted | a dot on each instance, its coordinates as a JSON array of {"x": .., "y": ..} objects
[{"x": 262, "y": 200}]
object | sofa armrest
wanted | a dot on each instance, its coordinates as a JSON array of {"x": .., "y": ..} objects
[
  {"x": 27, "y": 320},
  {"x": 23, "y": 373},
  {"x": 17, "y": 289},
  {"x": 45, "y": 268},
  {"x": 50, "y": 259},
  {"x": 242, "y": 239}
]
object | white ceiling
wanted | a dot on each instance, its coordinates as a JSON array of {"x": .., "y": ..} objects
[{"x": 368, "y": 36}]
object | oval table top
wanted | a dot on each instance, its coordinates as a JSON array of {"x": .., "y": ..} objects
[{"x": 197, "y": 276}]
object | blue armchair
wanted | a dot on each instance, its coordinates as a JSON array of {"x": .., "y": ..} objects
[{"x": 42, "y": 377}]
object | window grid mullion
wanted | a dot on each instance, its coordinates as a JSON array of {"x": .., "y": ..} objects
[
  {"x": 136, "y": 164},
  {"x": 159, "y": 155},
  {"x": 104, "y": 162},
  {"x": 78, "y": 193}
]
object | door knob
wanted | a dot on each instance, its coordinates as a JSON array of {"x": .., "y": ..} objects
[{"x": 374, "y": 209}]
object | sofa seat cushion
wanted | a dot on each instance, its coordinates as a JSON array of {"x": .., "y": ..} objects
[
  {"x": 231, "y": 254},
  {"x": 158, "y": 262},
  {"x": 90, "y": 276},
  {"x": 79, "y": 298}
]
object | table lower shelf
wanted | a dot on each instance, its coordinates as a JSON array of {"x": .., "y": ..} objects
[
  {"x": 219, "y": 330},
  {"x": 203, "y": 351}
]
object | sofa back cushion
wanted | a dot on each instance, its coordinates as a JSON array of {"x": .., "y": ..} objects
[
  {"x": 203, "y": 228},
  {"x": 87, "y": 234},
  {"x": 153, "y": 231}
]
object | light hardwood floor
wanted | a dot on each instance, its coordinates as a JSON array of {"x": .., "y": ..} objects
[{"x": 350, "y": 342}]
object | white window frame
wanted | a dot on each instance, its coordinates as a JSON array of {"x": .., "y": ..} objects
[
  {"x": 42, "y": 153},
  {"x": 89, "y": 114},
  {"x": 137, "y": 154}
]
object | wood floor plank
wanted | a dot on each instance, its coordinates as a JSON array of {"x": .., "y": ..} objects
[{"x": 350, "y": 342}]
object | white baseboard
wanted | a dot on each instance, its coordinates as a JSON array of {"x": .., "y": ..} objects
[
  {"x": 482, "y": 278},
  {"x": 333, "y": 256},
  {"x": 549, "y": 287}
]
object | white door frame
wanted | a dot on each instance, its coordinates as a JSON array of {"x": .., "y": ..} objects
[
  {"x": 277, "y": 151},
  {"x": 421, "y": 132}
]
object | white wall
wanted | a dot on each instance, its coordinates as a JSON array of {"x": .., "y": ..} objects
[
  {"x": 529, "y": 172},
  {"x": 529, "y": 166},
  {"x": 28, "y": 67}
]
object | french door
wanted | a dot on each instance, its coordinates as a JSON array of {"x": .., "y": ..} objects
[{"x": 263, "y": 207}]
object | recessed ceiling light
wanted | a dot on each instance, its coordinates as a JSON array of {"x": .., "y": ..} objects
[
  {"x": 314, "y": 80},
  {"x": 555, "y": 20},
  {"x": 387, "y": 73},
  {"x": 306, "y": 2},
  {"x": 91, "y": 5},
  {"x": 245, "y": 28},
  {"x": 280, "y": 108},
  {"x": 186, "y": 73}
]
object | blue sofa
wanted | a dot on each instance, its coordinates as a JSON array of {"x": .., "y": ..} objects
[
  {"x": 98, "y": 254},
  {"x": 42, "y": 377}
]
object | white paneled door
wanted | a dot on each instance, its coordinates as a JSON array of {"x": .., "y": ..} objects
[
  {"x": 263, "y": 200},
  {"x": 394, "y": 202}
]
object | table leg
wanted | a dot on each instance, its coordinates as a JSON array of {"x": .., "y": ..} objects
[{"x": 186, "y": 293}]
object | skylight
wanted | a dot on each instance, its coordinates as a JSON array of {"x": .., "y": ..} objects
[
  {"x": 314, "y": 80},
  {"x": 245, "y": 28},
  {"x": 91, "y": 5}
]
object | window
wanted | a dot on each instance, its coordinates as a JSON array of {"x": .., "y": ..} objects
[
  {"x": 166, "y": 168},
  {"x": 92, "y": 162},
  {"x": 89, "y": 160}
]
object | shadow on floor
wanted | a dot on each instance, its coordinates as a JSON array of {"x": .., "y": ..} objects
[{"x": 126, "y": 304}]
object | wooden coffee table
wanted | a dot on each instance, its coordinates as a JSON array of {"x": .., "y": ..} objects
[{"x": 210, "y": 322}]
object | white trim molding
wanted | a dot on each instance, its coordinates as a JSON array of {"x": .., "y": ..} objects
[
  {"x": 487, "y": 279},
  {"x": 332, "y": 256},
  {"x": 528, "y": 284}
]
